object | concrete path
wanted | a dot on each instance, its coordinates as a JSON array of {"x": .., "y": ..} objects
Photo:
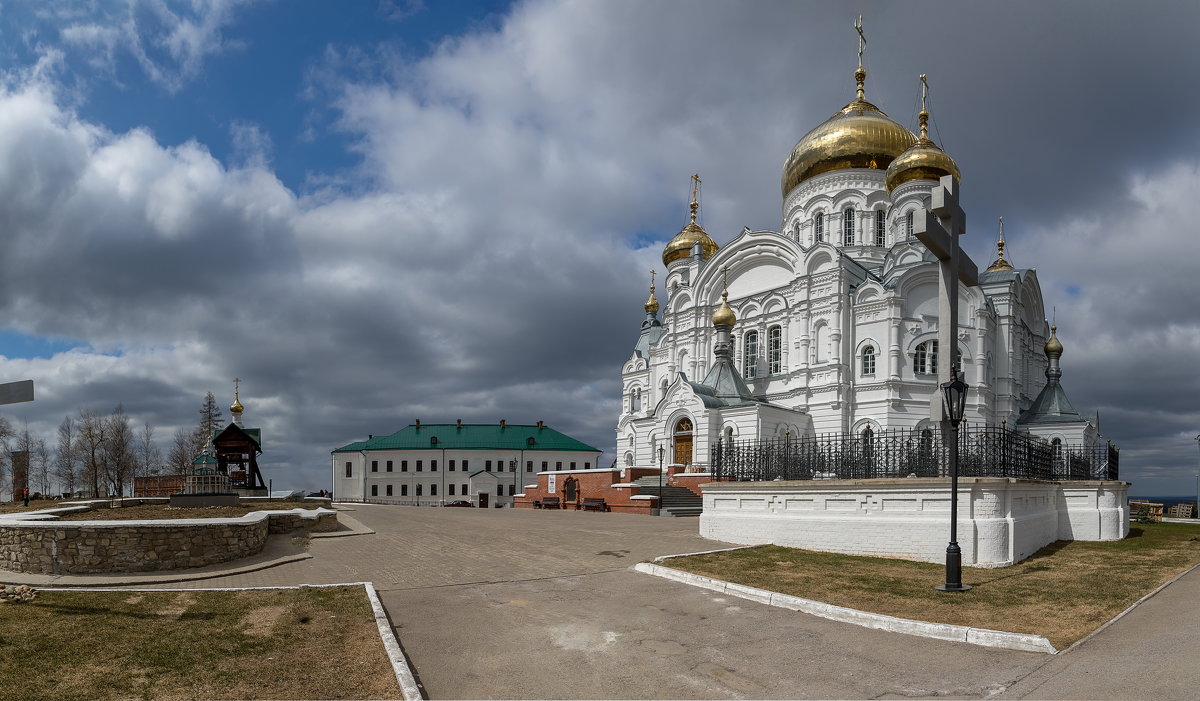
[{"x": 532, "y": 604}]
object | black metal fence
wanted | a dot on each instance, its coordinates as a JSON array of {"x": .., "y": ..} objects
[{"x": 988, "y": 451}]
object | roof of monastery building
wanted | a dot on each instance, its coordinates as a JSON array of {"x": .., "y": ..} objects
[{"x": 471, "y": 437}]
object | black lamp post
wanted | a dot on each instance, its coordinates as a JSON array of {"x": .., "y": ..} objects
[
  {"x": 658, "y": 504},
  {"x": 954, "y": 402}
]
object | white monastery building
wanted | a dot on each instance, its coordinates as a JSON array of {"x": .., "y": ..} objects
[
  {"x": 830, "y": 324},
  {"x": 431, "y": 464}
]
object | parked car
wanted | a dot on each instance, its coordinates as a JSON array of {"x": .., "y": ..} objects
[{"x": 460, "y": 502}]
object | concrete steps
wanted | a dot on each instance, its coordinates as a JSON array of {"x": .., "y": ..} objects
[{"x": 673, "y": 501}]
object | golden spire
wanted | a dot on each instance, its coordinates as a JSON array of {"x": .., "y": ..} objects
[
  {"x": 724, "y": 315},
  {"x": 652, "y": 302},
  {"x": 236, "y": 407},
  {"x": 924, "y": 114},
  {"x": 1000, "y": 263},
  {"x": 860, "y": 75},
  {"x": 695, "y": 195}
]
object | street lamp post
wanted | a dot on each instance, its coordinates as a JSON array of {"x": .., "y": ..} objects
[
  {"x": 954, "y": 401},
  {"x": 657, "y": 511}
]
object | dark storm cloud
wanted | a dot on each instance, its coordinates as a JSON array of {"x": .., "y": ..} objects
[{"x": 485, "y": 261}]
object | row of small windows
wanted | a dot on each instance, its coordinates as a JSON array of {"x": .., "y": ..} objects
[
  {"x": 433, "y": 490},
  {"x": 487, "y": 466},
  {"x": 848, "y": 216},
  {"x": 925, "y": 359},
  {"x": 774, "y": 352}
]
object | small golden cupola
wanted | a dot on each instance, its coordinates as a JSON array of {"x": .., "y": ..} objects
[
  {"x": 924, "y": 161},
  {"x": 1054, "y": 346},
  {"x": 236, "y": 408},
  {"x": 651, "y": 305},
  {"x": 724, "y": 316},
  {"x": 680, "y": 247},
  {"x": 999, "y": 264},
  {"x": 859, "y": 135}
]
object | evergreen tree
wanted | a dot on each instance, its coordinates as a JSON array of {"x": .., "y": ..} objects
[{"x": 210, "y": 422}]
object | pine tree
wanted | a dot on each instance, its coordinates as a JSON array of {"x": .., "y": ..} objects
[{"x": 210, "y": 422}]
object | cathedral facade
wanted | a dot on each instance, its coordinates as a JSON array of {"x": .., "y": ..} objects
[{"x": 829, "y": 325}]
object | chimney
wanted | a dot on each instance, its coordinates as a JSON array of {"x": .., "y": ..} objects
[
  {"x": 458, "y": 423},
  {"x": 418, "y": 423},
  {"x": 540, "y": 424},
  {"x": 370, "y": 436},
  {"x": 501, "y": 423}
]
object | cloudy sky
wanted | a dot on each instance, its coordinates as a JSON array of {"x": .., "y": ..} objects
[{"x": 384, "y": 210}]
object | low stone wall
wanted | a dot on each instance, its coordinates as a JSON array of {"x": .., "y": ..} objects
[
  {"x": 1001, "y": 521},
  {"x": 96, "y": 547},
  {"x": 612, "y": 485}
]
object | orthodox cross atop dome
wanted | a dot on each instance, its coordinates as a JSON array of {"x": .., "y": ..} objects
[
  {"x": 860, "y": 75},
  {"x": 652, "y": 303},
  {"x": 1000, "y": 263}
]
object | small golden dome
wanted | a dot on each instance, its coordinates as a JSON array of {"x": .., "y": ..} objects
[
  {"x": 652, "y": 302},
  {"x": 999, "y": 264},
  {"x": 1054, "y": 345},
  {"x": 236, "y": 407},
  {"x": 924, "y": 161},
  {"x": 859, "y": 135},
  {"x": 680, "y": 247},
  {"x": 724, "y": 316}
]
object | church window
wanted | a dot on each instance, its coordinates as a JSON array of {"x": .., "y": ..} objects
[
  {"x": 926, "y": 358},
  {"x": 774, "y": 350},
  {"x": 750, "y": 354},
  {"x": 848, "y": 227},
  {"x": 388, "y": 490},
  {"x": 663, "y": 386},
  {"x": 348, "y": 470},
  {"x": 635, "y": 399},
  {"x": 389, "y": 465},
  {"x": 404, "y": 490},
  {"x": 868, "y": 360},
  {"x": 879, "y": 231},
  {"x": 818, "y": 227},
  {"x": 629, "y": 459},
  {"x": 374, "y": 490},
  {"x": 908, "y": 225},
  {"x": 451, "y": 489}
]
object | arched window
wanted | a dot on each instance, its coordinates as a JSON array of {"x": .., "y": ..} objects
[
  {"x": 818, "y": 227},
  {"x": 880, "y": 240},
  {"x": 848, "y": 227},
  {"x": 750, "y": 354},
  {"x": 821, "y": 343},
  {"x": 1056, "y": 455},
  {"x": 662, "y": 386},
  {"x": 908, "y": 225},
  {"x": 774, "y": 350},
  {"x": 868, "y": 361},
  {"x": 926, "y": 358},
  {"x": 796, "y": 230},
  {"x": 628, "y": 459},
  {"x": 635, "y": 400}
]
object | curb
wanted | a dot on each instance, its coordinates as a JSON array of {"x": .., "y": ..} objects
[
  {"x": 941, "y": 631},
  {"x": 356, "y": 528},
  {"x": 57, "y": 580}
]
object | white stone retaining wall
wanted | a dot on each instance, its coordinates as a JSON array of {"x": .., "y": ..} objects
[{"x": 1001, "y": 521}]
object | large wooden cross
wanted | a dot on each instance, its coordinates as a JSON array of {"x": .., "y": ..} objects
[
  {"x": 939, "y": 229},
  {"x": 16, "y": 392}
]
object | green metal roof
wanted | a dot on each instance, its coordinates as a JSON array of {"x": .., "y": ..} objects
[{"x": 470, "y": 437}]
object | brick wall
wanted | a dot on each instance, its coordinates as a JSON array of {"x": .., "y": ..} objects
[{"x": 591, "y": 484}]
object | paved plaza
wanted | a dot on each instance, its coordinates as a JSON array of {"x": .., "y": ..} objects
[{"x": 533, "y": 604}]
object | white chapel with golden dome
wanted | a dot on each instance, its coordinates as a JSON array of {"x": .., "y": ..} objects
[{"x": 829, "y": 325}]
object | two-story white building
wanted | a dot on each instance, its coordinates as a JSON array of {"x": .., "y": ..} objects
[{"x": 430, "y": 464}]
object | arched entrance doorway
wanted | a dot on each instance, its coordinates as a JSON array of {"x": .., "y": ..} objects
[{"x": 683, "y": 441}]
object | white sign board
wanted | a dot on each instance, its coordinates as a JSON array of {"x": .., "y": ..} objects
[{"x": 551, "y": 483}]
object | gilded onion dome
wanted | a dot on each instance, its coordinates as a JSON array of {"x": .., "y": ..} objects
[
  {"x": 924, "y": 161},
  {"x": 859, "y": 135},
  {"x": 680, "y": 247},
  {"x": 236, "y": 407},
  {"x": 724, "y": 316},
  {"x": 1054, "y": 346},
  {"x": 651, "y": 306},
  {"x": 999, "y": 264}
]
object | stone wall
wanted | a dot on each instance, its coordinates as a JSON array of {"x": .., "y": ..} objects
[
  {"x": 95, "y": 547},
  {"x": 1001, "y": 521},
  {"x": 611, "y": 485}
]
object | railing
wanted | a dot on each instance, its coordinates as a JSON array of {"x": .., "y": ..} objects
[{"x": 988, "y": 451}]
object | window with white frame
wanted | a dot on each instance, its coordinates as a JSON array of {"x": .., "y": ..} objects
[
  {"x": 880, "y": 238},
  {"x": 775, "y": 350},
  {"x": 926, "y": 358},
  {"x": 868, "y": 360},
  {"x": 848, "y": 227},
  {"x": 818, "y": 227},
  {"x": 750, "y": 354},
  {"x": 908, "y": 225}
]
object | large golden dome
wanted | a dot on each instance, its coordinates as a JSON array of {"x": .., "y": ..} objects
[
  {"x": 680, "y": 247},
  {"x": 924, "y": 161},
  {"x": 859, "y": 135}
]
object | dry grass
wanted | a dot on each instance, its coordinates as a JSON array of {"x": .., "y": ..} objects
[
  {"x": 162, "y": 511},
  {"x": 281, "y": 644},
  {"x": 1065, "y": 591}
]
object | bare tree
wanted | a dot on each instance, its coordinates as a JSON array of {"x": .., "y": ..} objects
[
  {"x": 66, "y": 459},
  {"x": 39, "y": 463},
  {"x": 118, "y": 451},
  {"x": 180, "y": 457},
  {"x": 24, "y": 444},
  {"x": 89, "y": 442},
  {"x": 149, "y": 457}
]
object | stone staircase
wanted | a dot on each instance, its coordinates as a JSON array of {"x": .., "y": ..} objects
[{"x": 673, "y": 501}]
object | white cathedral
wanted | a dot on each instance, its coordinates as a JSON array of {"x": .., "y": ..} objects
[{"x": 830, "y": 324}]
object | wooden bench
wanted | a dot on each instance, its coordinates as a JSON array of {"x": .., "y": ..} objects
[
  {"x": 550, "y": 502},
  {"x": 594, "y": 504},
  {"x": 536, "y": 504}
]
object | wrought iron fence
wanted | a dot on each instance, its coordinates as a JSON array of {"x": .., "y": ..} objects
[{"x": 987, "y": 451}]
